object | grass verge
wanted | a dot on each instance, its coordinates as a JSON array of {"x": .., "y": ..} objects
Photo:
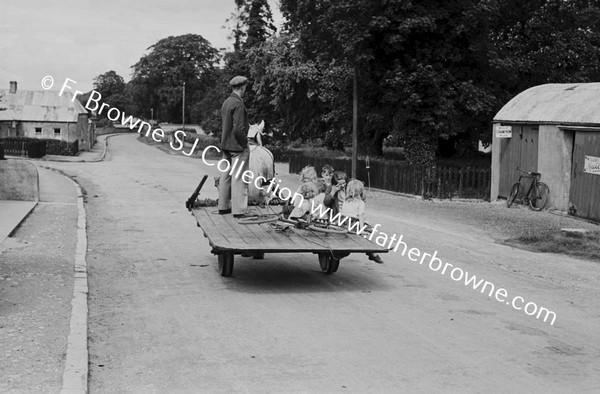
[{"x": 585, "y": 245}]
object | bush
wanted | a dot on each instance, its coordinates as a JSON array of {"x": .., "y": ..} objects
[
  {"x": 191, "y": 138},
  {"x": 62, "y": 148},
  {"x": 104, "y": 122}
]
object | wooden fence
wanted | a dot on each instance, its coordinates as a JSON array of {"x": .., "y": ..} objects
[
  {"x": 24, "y": 147},
  {"x": 439, "y": 182}
]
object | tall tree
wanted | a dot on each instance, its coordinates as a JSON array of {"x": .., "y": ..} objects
[
  {"x": 250, "y": 25},
  {"x": 433, "y": 73},
  {"x": 284, "y": 82},
  {"x": 158, "y": 76},
  {"x": 113, "y": 89}
]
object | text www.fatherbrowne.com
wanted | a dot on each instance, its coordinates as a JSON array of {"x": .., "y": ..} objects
[{"x": 436, "y": 265}]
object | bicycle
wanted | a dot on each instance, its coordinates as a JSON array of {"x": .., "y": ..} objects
[{"x": 537, "y": 194}]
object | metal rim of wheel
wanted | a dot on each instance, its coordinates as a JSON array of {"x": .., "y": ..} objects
[
  {"x": 538, "y": 202},
  {"x": 259, "y": 219},
  {"x": 514, "y": 191},
  {"x": 329, "y": 264},
  {"x": 330, "y": 229}
]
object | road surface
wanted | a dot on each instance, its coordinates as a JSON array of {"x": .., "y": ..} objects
[{"x": 163, "y": 320}]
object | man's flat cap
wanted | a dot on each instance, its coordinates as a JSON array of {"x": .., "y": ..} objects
[{"x": 239, "y": 80}]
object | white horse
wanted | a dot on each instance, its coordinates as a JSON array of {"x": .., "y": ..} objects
[{"x": 261, "y": 163}]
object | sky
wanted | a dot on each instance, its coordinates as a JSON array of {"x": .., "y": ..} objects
[{"x": 82, "y": 39}]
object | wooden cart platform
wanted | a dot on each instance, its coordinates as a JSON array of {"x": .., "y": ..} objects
[{"x": 227, "y": 237}]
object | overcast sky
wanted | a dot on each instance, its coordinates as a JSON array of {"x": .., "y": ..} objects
[{"x": 81, "y": 39}]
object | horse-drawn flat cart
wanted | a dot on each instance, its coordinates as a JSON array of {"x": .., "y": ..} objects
[{"x": 228, "y": 237}]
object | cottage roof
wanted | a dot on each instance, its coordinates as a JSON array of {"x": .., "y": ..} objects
[
  {"x": 554, "y": 103},
  {"x": 39, "y": 106}
]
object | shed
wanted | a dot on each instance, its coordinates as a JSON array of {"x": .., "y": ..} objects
[{"x": 553, "y": 129}]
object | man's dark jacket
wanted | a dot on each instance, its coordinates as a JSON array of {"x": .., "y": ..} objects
[{"x": 235, "y": 124}]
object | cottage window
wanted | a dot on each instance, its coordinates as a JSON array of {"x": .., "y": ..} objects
[
  {"x": 56, "y": 131},
  {"x": 38, "y": 130}
]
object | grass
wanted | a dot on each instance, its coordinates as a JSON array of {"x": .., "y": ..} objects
[
  {"x": 517, "y": 226},
  {"x": 585, "y": 246}
]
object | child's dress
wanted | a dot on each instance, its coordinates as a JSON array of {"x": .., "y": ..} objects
[
  {"x": 301, "y": 209},
  {"x": 353, "y": 208},
  {"x": 319, "y": 200}
]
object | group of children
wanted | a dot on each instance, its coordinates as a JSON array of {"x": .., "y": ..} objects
[{"x": 334, "y": 191}]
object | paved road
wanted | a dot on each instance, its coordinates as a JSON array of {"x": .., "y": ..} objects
[{"x": 163, "y": 320}]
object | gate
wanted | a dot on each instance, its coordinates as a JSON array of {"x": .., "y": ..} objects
[
  {"x": 521, "y": 150},
  {"x": 585, "y": 182}
]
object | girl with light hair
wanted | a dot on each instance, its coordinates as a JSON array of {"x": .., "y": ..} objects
[
  {"x": 354, "y": 207},
  {"x": 308, "y": 174},
  {"x": 308, "y": 191}
]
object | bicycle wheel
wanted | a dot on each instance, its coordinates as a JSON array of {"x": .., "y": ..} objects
[
  {"x": 539, "y": 196},
  {"x": 329, "y": 229},
  {"x": 259, "y": 219},
  {"x": 514, "y": 191}
]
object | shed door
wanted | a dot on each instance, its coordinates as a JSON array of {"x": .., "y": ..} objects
[
  {"x": 585, "y": 186},
  {"x": 521, "y": 150}
]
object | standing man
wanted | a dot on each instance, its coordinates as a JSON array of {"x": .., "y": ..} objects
[{"x": 233, "y": 193}]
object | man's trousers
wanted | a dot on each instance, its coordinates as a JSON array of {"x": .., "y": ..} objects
[{"x": 233, "y": 191}]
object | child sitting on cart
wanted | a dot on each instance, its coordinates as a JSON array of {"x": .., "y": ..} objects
[
  {"x": 335, "y": 195},
  {"x": 320, "y": 198},
  {"x": 353, "y": 205},
  {"x": 308, "y": 174},
  {"x": 302, "y": 208},
  {"x": 326, "y": 174}
]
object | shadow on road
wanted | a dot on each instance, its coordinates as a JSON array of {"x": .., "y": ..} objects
[{"x": 276, "y": 274}]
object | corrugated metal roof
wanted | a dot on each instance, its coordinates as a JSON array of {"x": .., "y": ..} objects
[
  {"x": 39, "y": 106},
  {"x": 555, "y": 103}
]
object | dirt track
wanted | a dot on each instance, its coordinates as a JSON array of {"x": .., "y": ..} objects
[{"x": 163, "y": 320}]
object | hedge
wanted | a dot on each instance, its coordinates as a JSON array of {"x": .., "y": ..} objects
[{"x": 38, "y": 147}]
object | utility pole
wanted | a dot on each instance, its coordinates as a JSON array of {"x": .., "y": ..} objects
[
  {"x": 355, "y": 121},
  {"x": 183, "y": 105}
]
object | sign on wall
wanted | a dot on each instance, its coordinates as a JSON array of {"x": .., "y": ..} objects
[
  {"x": 592, "y": 165},
  {"x": 503, "y": 131}
]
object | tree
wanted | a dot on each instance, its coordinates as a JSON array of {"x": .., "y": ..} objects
[
  {"x": 250, "y": 26},
  {"x": 342, "y": 35},
  {"x": 284, "y": 82},
  {"x": 207, "y": 109},
  {"x": 434, "y": 73},
  {"x": 114, "y": 92},
  {"x": 259, "y": 22},
  {"x": 158, "y": 76},
  {"x": 109, "y": 83}
]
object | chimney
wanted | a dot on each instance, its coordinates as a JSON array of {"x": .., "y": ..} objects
[{"x": 13, "y": 87}]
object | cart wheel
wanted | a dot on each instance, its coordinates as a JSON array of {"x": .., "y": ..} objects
[
  {"x": 226, "y": 264},
  {"x": 324, "y": 261},
  {"x": 259, "y": 256},
  {"x": 335, "y": 264},
  {"x": 328, "y": 264}
]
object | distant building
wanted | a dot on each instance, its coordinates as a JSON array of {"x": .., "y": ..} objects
[
  {"x": 44, "y": 114},
  {"x": 553, "y": 129}
]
